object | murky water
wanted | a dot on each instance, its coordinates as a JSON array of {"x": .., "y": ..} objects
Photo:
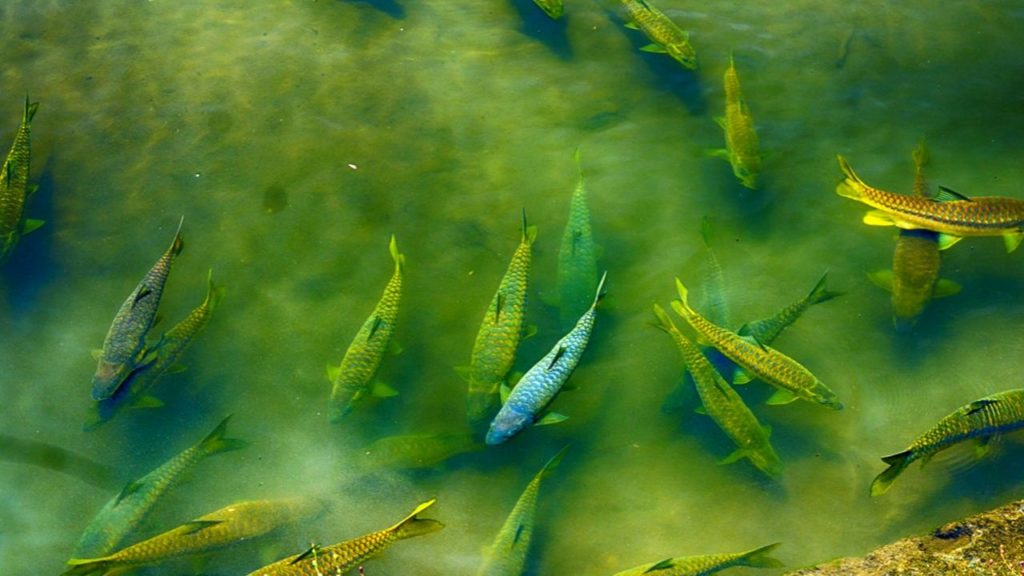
[{"x": 296, "y": 137}]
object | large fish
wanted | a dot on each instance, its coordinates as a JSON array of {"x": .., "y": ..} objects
[
  {"x": 494, "y": 350},
  {"x": 340, "y": 558},
  {"x": 950, "y": 214},
  {"x": 541, "y": 383},
  {"x": 666, "y": 37},
  {"x": 981, "y": 419},
  {"x": 168, "y": 351},
  {"x": 14, "y": 188},
  {"x": 709, "y": 564},
  {"x": 507, "y": 554},
  {"x": 230, "y": 525},
  {"x": 791, "y": 378},
  {"x": 742, "y": 150},
  {"x": 724, "y": 405},
  {"x": 123, "y": 513},
  {"x": 352, "y": 379},
  {"x": 124, "y": 348},
  {"x": 577, "y": 257}
]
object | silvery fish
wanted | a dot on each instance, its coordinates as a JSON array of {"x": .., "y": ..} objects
[
  {"x": 123, "y": 513},
  {"x": 14, "y": 188},
  {"x": 577, "y": 257},
  {"x": 704, "y": 565},
  {"x": 124, "y": 347},
  {"x": 340, "y": 558},
  {"x": 353, "y": 378},
  {"x": 507, "y": 555},
  {"x": 742, "y": 150},
  {"x": 541, "y": 383},
  {"x": 981, "y": 419},
  {"x": 665, "y": 36}
]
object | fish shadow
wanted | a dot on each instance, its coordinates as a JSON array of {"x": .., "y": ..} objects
[
  {"x": 389, "y": 7},
  {"x": 32, "y": 266},
  {"x": 538, "y": 26}
]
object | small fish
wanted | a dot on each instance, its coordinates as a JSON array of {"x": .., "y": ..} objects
[
  {"x": 124, "y": 347},
  {"x": 494, "y": 350},
  {"x": 123, "y": 513},
  {"x": 14, "y": 188},
  {"x": 577, "y": 257},
  {"x": 768, "y": 329},
  {"x": 340, "y": 558},
  {"x": 351, "y": 380},
  {"x": 174, "y": 342},
  {"x": 665, "y": 36},
  {"x": 724, "y": 405},
  {"x": 230, "y": 525},
  {"x": 553, "y": 8},
  {"x": 414, "y": 451},
  {"x": 507, "y": 555},
  {"x": 791, "y": 378},
  {"x": 981, "y": 419},
  {"x": 703, "y": 565},
  {"x": 541, "y": 383},
  {"x": 950, "y": 214},
  {"x": 742, "y": 150}
]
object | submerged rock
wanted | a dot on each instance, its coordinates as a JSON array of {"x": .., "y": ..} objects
[{"x": 987, "y": 543}]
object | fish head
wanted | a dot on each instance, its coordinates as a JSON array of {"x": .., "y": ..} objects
[
  {"x": 683, "y": 53},
  {"x": 107, "y": 378},
  {"x": 746, "y": 171},
  {"x": 506, "y": 424}
]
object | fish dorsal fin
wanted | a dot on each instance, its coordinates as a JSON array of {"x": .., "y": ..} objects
[
  {"x": 978, "y": 405},
  {"x": 311, "y": 551},
  {"x": 142, "y": 293},
  {"x": 551, "y": 418},
  {"x": 557, "y": 357},
  {"x": 663, "y": 565},
  {"x": 377, "y": 321},
  {"x": 497, "y": 306},
  {"x": 947, "y": 195},
  {"x": 198, "y": 525},
  {"x": 519, "y": 532},
  {"x": 129, "y": 489}
]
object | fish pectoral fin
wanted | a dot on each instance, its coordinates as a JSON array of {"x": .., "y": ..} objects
[
  {"x": 654, "y": 48},
  {"x": 701, "y": 410},
  {"x": 945, "y": 288},
  {"x": 718, "y": 153},
  {"x": 946, "y": 241},
  {"x": 741, "y": 377},
  {"x": 551, "y": 418},
  {"x": 738, "y": 454},
  {"x": 949, "y": 195},
  {"x": 333, "y": 372},
  {"x": 176, "y": 369},
  {"x": 983, "y": 446},
  {"x": 882, "y": 279},
  {"x": 1012, "y": 240},
  {"x": 632, "y": 25},
  {"x": 464, "y": 372},
  {"x": 96, "y": 353},
  {"x": 503, "y": 392},
  {"x": 381, "y": 390},
  {"x": 720, "y": 120},
  {"x": 32, "y": 224},
  {"x": 394, "y": 348},
  {"x": 529, "y": 331},
  {"x": 878, "y": 218},
  {"x": 781, "y": 397},
  {"x": 198, "y": 525}
]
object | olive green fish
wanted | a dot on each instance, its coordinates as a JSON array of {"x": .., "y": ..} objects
[
  {"x": 577, "y": 257},
  {"x": 340, "y": 558},
  {"x": 742, "y": 150},
  {"x": 494, "y": 350},
  {"x": 981, "y": 419},
  {"x": 768, "y": 329},
  {"x": 768, "y": 364},
  {"x": 950, "y": 214},
  {"x": 553, "y": 8},
  {"x": 414, "y": 451},
  {"x": 703, "y": 565},
  {"x": 352, "y": 379},
  {"x": 665, "y": 36},
  {"x": 507, "y": 555},
  {"x": 230, "y": 525},
  {"x": 724, "y": 405},
  {"x": 173, "y": 343},
  {"x": 14, "y": 188},
  {"x": 125, "y": 511},
  {"x": 124, "y": 348},
  {"x": 914, "y": 278}
]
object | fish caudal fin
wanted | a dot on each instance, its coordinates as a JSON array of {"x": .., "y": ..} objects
[
  {"x": 397, "y": 256},
  {"x": 86, "y": 567},
  {"x": 177, "y": 245},
  {"x": 664, "y": 322},
  {"x": 600, "y": 293},
  {"x": 820, "y": 293},
  {"x": 215, "y": 442},
  {"x": 759, "y": 557},
  {"x": 553, "y": 463},
  {"x": 412, "y": 526},
  {"x": 30, "y": 111},
  {"x": 214, "y": 293},
  {"x": 897, "y": 464},
  {"x": 851, "y": 186},
  {"x": 682, "y": 306},
  {"x": 529, "y": 232}
]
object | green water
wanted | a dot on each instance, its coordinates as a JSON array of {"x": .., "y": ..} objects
[{"x": 439, "y": 120}]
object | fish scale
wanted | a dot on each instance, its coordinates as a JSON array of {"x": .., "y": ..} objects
[{"x": 577, "y": 257}]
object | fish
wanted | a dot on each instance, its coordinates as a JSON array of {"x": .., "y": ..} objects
[
  {"x": 230, "y": 525},
  {"x": 724, "y": 405},
  {"x": 715, "y": 302},
  {"x": 951, "y": 214},
  {"x": 742, "y": 150},
  {"x": 577, "y": 257},
  {"x": 709, "y": 564},
  {"x": 766, "y": 330},
  {"x": 541, "y": 383},
  {"x": 352, "y": 378},
  {"x": 982, "y": 419},
  {"x": 791, "y": 378},
  {"x": 553, "y": 8},
  {"x": 914, "y": 278},
  {"x": 123, "y": 513},
  {"x": 494, "y": 350},
  {"x": 665, "y": 35},
  {"x": 507, "y": 554},
  {"x": 342, "y": 557},
  {"x": 172, "y": 344},
  {"x": 33, "y": 452},
  {"x": 15, "y": 190},
  {"x": 414, "y": 451},
  {"x": 124, "y": 348}
]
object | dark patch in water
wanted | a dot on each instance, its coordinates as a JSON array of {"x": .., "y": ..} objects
[
  {"x": 275, "y": 199},
  {"x": 389, "y": 7}
]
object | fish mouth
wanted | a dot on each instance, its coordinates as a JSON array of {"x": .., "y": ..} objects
[{"x": 106, "y": 380}]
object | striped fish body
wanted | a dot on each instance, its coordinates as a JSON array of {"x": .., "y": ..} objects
[
  {"x": 541, "y": 383},
  {"x": 766, "y": 363},
  {"x": 553, "y": 8},
  {"x": 768, "y": 329},
  {"x": 229, "y": 525},
  {"x": 577, "y": 258},
  {"x": 983, "y": 418},
  {"x": 123, "y": 348},
  {"x": 14, "y": 188},
  {"x": 494, "y": 350},
  {"x": 125, "y": 511},
  {"x": 664, "y": 33},
  {"x": 351, "y": 380},
  {"x": 340, "y": 558},
  {"x": 724, "y": 405},
  {"x": 741, "y": 143},
  {"x": 708, "y": 564}
]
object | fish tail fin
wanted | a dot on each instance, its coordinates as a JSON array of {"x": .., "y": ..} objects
[
  {"x": 412, "y": 526},
  {"x": 579, "y": 167},
  {"x": 851, "y": 186},
  {"x": 553, "y": 463},
  {"x": 820, "y": 293},
  {"x": 177, "y": 245},
  {"x": 397, "y": 256},
  {"x": 214, "y": 293},
  {"x": 529, "y": 232},
  {"x": 86, "y": 566},
  {"x": 760, "y": 557},
  {"x": 216, "y": 442},
  {"x": 600, "y": 293},
  {"x": 897, "y": 464},
  {"x": 684, "y": 302},
  {"x": 30, "y": 110},
  {"x": 664, "y": 322}
]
